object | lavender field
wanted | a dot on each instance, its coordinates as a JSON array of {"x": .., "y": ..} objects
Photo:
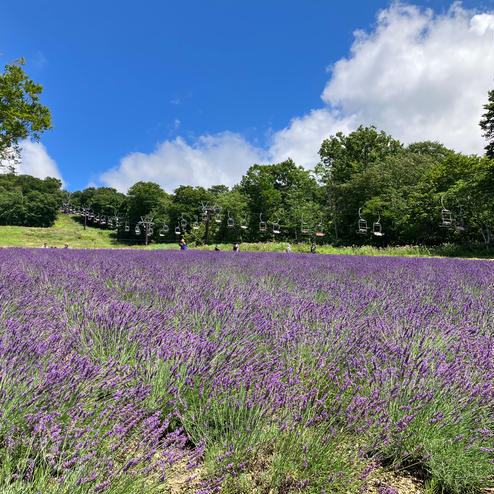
[{"x": 149, "y": 372}]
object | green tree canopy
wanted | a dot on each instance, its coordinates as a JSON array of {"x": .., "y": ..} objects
[
  {"x": 341, "y": 156},
  {"x": 21, "y": 113}
]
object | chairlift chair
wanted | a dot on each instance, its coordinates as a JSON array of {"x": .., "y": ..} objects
[
  {"x": 230, "y": 222},
  {"x": 102, "y": 221},
  {"x": 243, "y": 223},
  {"x": 460, "y": 225},
  {"x": 446, "y": 218},
  {"x": 276, "y": 227},
  {"x": 183, "y": 222},
  {"x": 164, "y": 230},
  {"x": 362, "y": 224},
  {"x": 319, "y": 229},
  {"x": 110, "y": 224},
  {"x": 217, "y": 217},
  {"x": 137, "y": 230},
  {"x": 177, "y": 230},
  {"x": 127, "y": 227},
  {"x": 376, "y": 227},
  {"x": 262, "y": 224},
  {"x": 195, "y": 225},
  {"x": 304, "y": 227},
  {"x": 150, "y": 232}
]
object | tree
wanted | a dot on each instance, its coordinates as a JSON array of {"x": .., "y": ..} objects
[
  {"x": 487, "y": 125},
  {"x": 281, "y": 191},
  {"x": 21, "y": 113},
  {"x": 341, "y": 156}
]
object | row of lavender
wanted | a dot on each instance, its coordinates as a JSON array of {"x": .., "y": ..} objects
[{"x": 208, "y": 372}]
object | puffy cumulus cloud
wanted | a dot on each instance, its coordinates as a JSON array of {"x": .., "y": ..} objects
[
  {"x": 36, "y": 161},
  {"x": 419, "y": 76},
  {"x": 416, "y": 75},
  {"x": 209, "y": 160},
  {"x": 302, "y": 139}
]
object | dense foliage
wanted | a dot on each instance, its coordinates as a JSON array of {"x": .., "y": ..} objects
[
  {"x": 127, "y": 372},
  {"x": 21, "y": 113},
  {"x": 29, "y": 201}
]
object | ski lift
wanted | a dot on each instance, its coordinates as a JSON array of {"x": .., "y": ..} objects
[
  {"x": 362, "y": 224},
  {"x": 217, "y": 217},
  {"x": 137, "y": 230},
  {"x": 243, "y": 223},
  {"x": 230, "y": 222},
  {"x": 319, "y": 229},
  {"x": 183, "y": 222},
  {"x": 177, "y": 230},
  {"x": 127, "y": 227},
  {"x": 164, "y": 230},
  {"x": 195, "y": 225},
  {"x": 262, "y": 224},
  {"x": 376, "y": 226},
  {"x": 102, "y": 221},
  {"x": 446, "y": 219},
  {"x": 276, "y": 226},
  {"x": 304, "y": 227}
]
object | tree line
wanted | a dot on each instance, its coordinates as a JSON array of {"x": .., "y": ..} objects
[{"x": 366, "y": 170}]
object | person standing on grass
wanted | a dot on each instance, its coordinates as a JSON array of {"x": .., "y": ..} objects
[
  {"x": 313, "y": 249},
  {"x": 66, "y": 246},
  {"x": 217, "y": 249},
  {"x": 288, "y": 249},
  {"x": 236, "y": 247},
  {"x": 45, "y": 246}
]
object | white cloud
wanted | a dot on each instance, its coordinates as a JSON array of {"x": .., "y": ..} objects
[
  {"x": 35, "y": 161},
  {"x": 419, "y": 76},
  {"x": 416, "y": 75},
  {"x": 302, "y": 139},
  {"x": 210, "y": 160}
]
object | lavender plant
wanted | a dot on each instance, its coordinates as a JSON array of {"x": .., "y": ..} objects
[{"x": 125, "y": 372}]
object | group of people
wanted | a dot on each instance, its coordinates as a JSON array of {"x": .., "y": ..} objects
[
  {"x": 236, "y": 247},
  {"x": 312, "y": 249},
  {"x": 45, "y": 246}
]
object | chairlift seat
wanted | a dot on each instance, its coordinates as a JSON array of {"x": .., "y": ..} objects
[
  {"x": 262, "y": 226},
  {"x": 230, "y": 223},
  {"x": 378, "y": 234},
  {"x": 137, "y": 230},
  {"x": 319, "y": 234}
]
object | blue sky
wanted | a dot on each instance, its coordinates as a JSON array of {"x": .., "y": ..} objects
[{"x": 193, "y": 92}]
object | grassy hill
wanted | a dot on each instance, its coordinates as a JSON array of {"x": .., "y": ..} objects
[{"x": 67, "y": 230}]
